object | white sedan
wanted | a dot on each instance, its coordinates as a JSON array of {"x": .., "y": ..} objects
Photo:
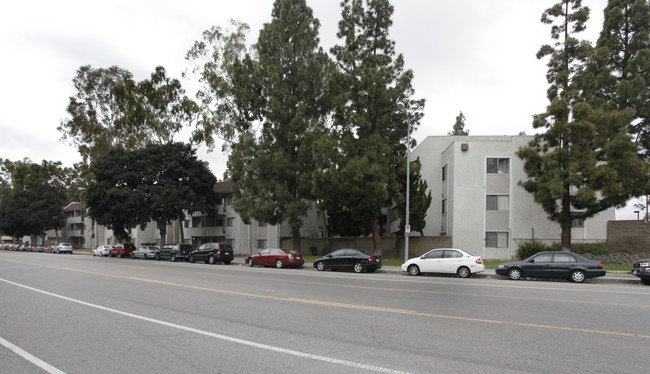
[
  {"x": 102, "y": 250},
  {"x": 445, "y": 261}
]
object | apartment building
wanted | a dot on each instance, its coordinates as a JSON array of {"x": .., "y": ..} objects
[{"x": 478, "y": 202}]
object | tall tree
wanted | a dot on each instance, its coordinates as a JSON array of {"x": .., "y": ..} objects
[
  {"x": 626, "y": 79},
  {"x": 586, "y": 160},
  {"x": 288, "y": 81},
  {"x": 97, "y": 123},
  {"x": 373, "y": 109},
  {"x": 459, "y": 126},
  {"x": 157, "y": 107}
]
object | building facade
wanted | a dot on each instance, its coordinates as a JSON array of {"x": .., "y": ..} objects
[{"x": 477, "y": 199}]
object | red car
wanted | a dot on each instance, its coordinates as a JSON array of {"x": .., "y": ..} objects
[
  {"x": 49, "y": 249},
  {"x": 121, "y": 250},
  {"x": 277, "y": 257}
]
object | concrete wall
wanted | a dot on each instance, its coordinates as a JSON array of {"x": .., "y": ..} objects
[
  {"x": 393, "y": 246},
  {"x": 636, "y": 230}
]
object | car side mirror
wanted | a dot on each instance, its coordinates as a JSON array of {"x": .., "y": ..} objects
[{"x": 422, "y": 257}]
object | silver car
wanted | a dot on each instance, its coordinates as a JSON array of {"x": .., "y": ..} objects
[
  {"x": 145, "y": 252},
  {"x": 63, "y": 248}
]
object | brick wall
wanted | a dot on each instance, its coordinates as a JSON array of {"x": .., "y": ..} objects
[{"x": 638, "y": 230}]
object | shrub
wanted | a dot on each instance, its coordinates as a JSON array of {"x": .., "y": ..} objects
[{"x": 527, "y": 249}]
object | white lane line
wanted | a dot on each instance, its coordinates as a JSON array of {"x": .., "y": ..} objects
[
  {"x": 31, "y": 358},
  {"x": 249, "y": 343}
]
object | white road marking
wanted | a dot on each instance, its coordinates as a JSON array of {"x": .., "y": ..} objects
[
  {"x": 31, "y": 358},
  {"x": 249, "y": 343}
]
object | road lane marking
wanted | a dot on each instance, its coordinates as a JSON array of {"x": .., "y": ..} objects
[
  {"x": 231, "y": 339},
  {"x": 31, "y": 358}
]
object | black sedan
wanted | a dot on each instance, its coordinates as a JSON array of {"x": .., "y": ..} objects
[
  {"x": 642, "y": 270},
  {"x": 564, "y": 265},
  {"x": 349, "y": 259},
  {"x": 212, "y": 253}
]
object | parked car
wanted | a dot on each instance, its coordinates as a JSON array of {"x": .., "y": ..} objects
[
  {"x": 63, "y": 248},
  {"x": 277, "y": 257},
  {"x": 39, "y": 248},
  {"x": 445, "y": 261},
  {"x": 642, "y": 270},
  {"x": 145, "y": 252},
  {"x": 174, "y": 251},
  {"x": 211, "y": 253},
  {"x": 49, "y": 249},
  {"x": 349, "y": 259},
  {"x": 122, "y": 249},
  {"x": 554, "y": 264},
  {"x": 102, "y": 250}
]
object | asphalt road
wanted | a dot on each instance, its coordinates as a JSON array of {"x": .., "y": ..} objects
[{"x": 83, "y": 314}]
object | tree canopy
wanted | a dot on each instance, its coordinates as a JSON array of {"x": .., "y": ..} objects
[
  {"x": 459, "y": 126},
  {"x": 157, "y": 183},
  {"x": 373, "y": 107},
  {"x": 586, "y": 160}
]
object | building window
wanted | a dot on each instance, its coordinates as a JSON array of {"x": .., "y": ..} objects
[
  {"x": 498, "y": 165},
  {"x": 230, "y": 221},
  {"x": 444, "y": 206},
  {"x": 496, "y": 239},
  {"x": 444, "y": 173},
  {"x": 577, "y": 223},
  {"x": 261, "y": 243},
  {"x": 497, "y": 202}
]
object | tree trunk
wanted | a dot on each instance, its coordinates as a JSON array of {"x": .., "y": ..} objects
[
  {"x": 297, "y": 243},
  {"x": 163, "y": 233},
  {"x": 181, "y": 221},
  {"x": 375, "y": 235}
]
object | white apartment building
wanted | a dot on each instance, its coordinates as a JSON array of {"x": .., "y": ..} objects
[{"x": 478, "y": 202}]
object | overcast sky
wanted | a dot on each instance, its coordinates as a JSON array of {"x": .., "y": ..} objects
[{"x": 474, "y": 56}]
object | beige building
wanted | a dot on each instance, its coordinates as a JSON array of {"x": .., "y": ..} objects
[{"x": 478, "y": 202}]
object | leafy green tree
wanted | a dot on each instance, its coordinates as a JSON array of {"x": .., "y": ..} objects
[
  {"x": 586, "y": 160},
  {"x": 157, "y": 106},
  {"x": 157, "y": 183},
  {"x": 419, "y": 199},
  {"x": 32, "y": 197},
  {"x": 271, "y": 171},
  {"x": 97, "y": 123},
  {"x": 625, "y": 81},
  {"x": 214, "y": 61},
  {"x": 459, "y": 126},
  {"x": 357, "y": 160}
]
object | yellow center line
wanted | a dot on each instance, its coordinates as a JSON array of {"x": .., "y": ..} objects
[{"x": 348, "y": 306}]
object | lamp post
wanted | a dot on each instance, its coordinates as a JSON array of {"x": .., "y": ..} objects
[{"x": 407, "y": 226}]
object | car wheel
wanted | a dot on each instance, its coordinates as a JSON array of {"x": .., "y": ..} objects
[
  {"x": 645, "y": 281},
  {"x": 144, "y": 256},
  {"x": 93, "y": 254},
  {"x": 358, "y": 267},
  {"x": 515, "y": 274},
  {"x": 251, "y": 262},
  {"x": 578, "y": 276},
  {"x": 157, "y": 256},
  {"x": 463, "y": 272},
  {"x": 279, "y": 264},
  {"x": 227, "y": 262},
  {"x": 192, "y": 259},
  {"x": 173, "y": 257},
  {"x": 212, "y": 260},
  {"x": 320, "y": 266},
  {"x": 414, "y": 269},
  {"x": 132, "y": 255}
]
